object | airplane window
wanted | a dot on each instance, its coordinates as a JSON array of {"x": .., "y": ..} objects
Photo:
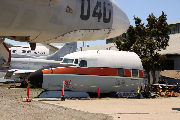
[
  {"x": 61, "y": 59},
  {"x": 14, "y": 51},
  {"x": 121, "y": 72},
  {"x": 76, "y": 61},
  {"x": 28, "y": 51},
  {"x": 135, "y": 73},
  {"x": 35, "y": 52},
  {"x": 68, "y": 60},
  {"x": 23, "y": 51},
  {"x": 83, "y": 63}
]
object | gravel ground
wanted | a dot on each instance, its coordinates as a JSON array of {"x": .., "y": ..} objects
[{"x": 12, "y": 107}]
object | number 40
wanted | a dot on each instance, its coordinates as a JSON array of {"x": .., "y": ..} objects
[{"x": 96, "y": 12}]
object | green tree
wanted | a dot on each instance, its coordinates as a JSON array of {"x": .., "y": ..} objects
[{"x": 146, "y": 41}]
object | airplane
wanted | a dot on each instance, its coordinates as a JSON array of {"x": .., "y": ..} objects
[
  {"x": 7, "y": 51},
  {"x": 59, "y": 21},
  {"x": 42, "y": 61},
  {"x": 23, "y": 67},
  {"x": 86, "y": 71}
]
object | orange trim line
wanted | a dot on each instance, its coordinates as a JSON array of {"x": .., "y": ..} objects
[
  {"x": 87, "y": 71},
  {"x": 84, "y": 71},
  {"x": 127, "y": 73},
  {"x": 140, "y": 73}
]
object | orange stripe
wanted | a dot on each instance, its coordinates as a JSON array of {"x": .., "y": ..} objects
[
  {"x": 140, "y": 73},
  {"x": 84, "y": 71},
  {"x": 127, "y": 73},
  {"x": 91, "y": 71}
]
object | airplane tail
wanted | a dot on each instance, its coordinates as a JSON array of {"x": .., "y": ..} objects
[
  {"x": 5, "y": 56},
  {"x": 53, "y": 47},
  {"x": 66, "y": 49}
]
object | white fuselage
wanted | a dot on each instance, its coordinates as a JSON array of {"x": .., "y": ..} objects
[
  {"x": 91, "y": 83},
  {"x": 42, "y": 61},
  {"x": 92, "y": 78},
  {"x": 31, "y": 63},
  {"x": 55, "y": 21},
  {"x": 26, "y": 52}
]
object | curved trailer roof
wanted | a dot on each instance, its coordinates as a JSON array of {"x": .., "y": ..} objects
[{"x": 108, "y": 58}]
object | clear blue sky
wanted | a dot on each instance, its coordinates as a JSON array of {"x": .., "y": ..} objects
[{"x": 141, "y": 9}]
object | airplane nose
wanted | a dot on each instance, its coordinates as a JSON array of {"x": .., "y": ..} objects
[
  {"x": 36, "y": 79},
  {"x": 120, "y": 21}
]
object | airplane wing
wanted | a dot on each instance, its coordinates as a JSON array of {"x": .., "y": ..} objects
[
  {"x": 9, "y": 74},
  {"x": 19, "y": 75},
  {"x": 7, "y": 77},
  {"x": 22, "y": 74}
]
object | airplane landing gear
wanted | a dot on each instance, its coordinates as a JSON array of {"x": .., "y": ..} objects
[{"x": 24, "y": 84}]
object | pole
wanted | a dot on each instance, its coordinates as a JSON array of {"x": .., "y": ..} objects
[
  {"x": 62, "y": 93},
  {"x": 63, "y": 87},
  {"x": 62, "y": 96},
  {"x": 28, "y": 90},
  {"x": 99, "y": 93}
]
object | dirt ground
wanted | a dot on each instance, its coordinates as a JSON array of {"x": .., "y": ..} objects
[
  {"x": 12, "y": 107},
  {"x": 128, "y": 109}
]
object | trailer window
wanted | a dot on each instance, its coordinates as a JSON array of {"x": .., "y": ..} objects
[
  {"x": 121, "y": 72},
  {"x": 68, "y": 60},
  {"x": 83, "y": 63},
  {"x": 135, "y": 73}
]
